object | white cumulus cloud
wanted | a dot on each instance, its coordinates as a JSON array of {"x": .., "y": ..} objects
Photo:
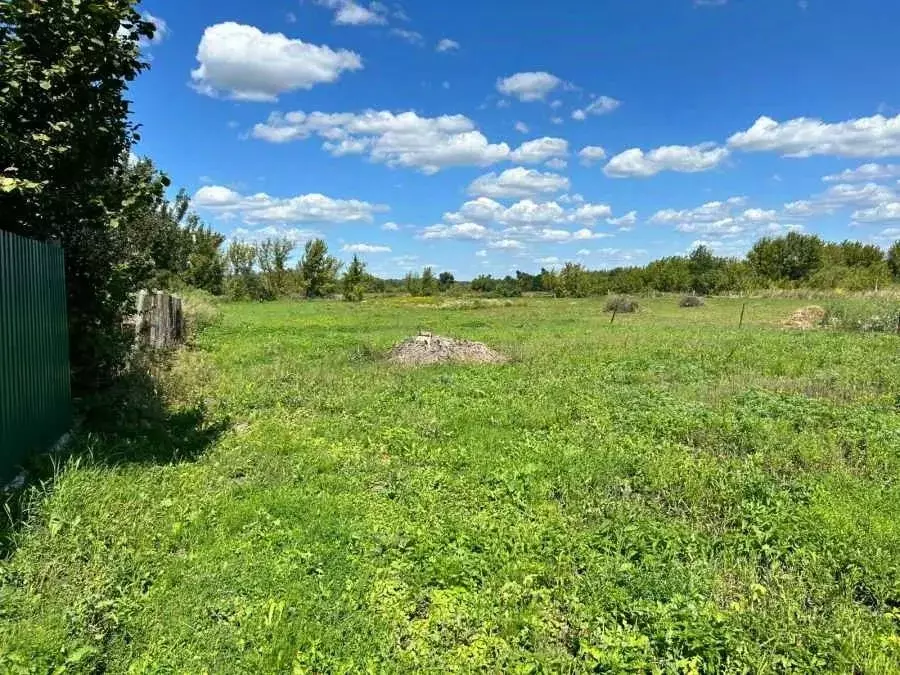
[
  {"x": 243, "y": 63},
  {"x": 590, "y": 214},
  {"x": 708, "y": 212},
  {"x": 366, "y": 248},
  {"x": 683, "y": 159},
  {"x": 349, "y": 13},
  {"x": 506, "y": 244},
  {"x": 601, "y": 105},
  {"x": 760, "y": 215},
  {"x": 529, "y": 212},
  {"x": 530, "y": 86},
  {"x": 628, "y": 221},
  {"x": 261, "y": 208},
  {"x": 865, "y": 172},
  {"x": 842, "y": 196},
  {"x": 883, "y": 213},
  {"x": 447, "y": 45},
  {"x": 591, "y": 153},
  {"x": 526, "y": 222},
  {"x": 517, "y": 182},
  {"x": 411, "y": 36},
  {"x": 472, "y": 231},
  {"x": 876, "y": 136},
  {"x": 540, "y": 150},
  {"x": 405, "y": 139},
  {"x": 724, "y": 219}
]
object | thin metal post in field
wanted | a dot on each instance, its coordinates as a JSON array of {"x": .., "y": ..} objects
[{"x": 743, "y": 308}]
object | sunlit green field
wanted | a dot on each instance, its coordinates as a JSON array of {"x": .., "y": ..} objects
[{"x": 666, "y": 493}]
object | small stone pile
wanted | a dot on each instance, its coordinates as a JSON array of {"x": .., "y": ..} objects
[{"x": 427, "y": 349}]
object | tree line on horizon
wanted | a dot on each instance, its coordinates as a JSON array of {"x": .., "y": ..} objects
[{"x": 262, "y": 272}]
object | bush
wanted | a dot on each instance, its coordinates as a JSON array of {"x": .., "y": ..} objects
[
  {"x": 691, "y": 301},
  {"x": 876, "y": 315},
  {"x": 621, "y": 305},
  {"x": 201, "y": 309},
  {"x": 506, "y": 288}
]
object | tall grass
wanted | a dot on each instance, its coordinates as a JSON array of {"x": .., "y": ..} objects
[
  {"x": 871, "y": 315},
  {"x": 666, "y": 493}
]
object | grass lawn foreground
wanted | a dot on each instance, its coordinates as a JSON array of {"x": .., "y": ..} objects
[{"x": 665, "y": 493}]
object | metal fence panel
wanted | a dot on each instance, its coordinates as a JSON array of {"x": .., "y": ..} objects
[{"x": 35, "y": 399}]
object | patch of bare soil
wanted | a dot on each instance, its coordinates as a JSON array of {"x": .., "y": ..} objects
[
  {"x": 805, "y": 318},
  {"x": 426, "y": 349}
]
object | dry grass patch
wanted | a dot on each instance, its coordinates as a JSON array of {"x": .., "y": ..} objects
[{"x": 805, "y": 318}]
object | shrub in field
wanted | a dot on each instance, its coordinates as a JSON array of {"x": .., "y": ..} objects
[
  {"x": 201, "y": 309},
  {"x": 621, "y": 305},
  {"x": 691, "y": 301},
  {"x": 877, "y": 315}
]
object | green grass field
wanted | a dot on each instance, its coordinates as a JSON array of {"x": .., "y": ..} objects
[{"x": 664, "y": 494}]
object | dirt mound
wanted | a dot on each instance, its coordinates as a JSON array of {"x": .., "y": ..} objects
[
  {"x": 425, "y": 349},
  {"x": 805, "y": 318}
]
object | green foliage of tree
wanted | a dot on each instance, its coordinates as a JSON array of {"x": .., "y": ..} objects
[
  {"x": 272, "y": 256},
  {"x": 354, "y": 280},
  {"x": 703, "y": 267},
  {"x": 65, "y": 66},
  {"x": 429, "y": 283},
  {"x": 507, "y": 287},
  {"x": 445, "y": 280},
  {"x": 205, "y": 265},
  {"x": 529, "y": 283},
  {"x": 794, "y": 257},
  {"x": 738, "y": 276},
  {"x": 168, "y": 246},
  {"x": 572, "y": 282},
  {"x": 857, "y": 254},
  {"x": 483, "y": 283},
  {"x": 372, "y": 284},
  {"x": 318, "y": 269},
  {"x": 893, "y": 259},
  {"x": 412, "y": 283},
  {"x": 670, "y": 275},
  {"x": 242, "y": 282},
  {"x": 621, "y": 280}
]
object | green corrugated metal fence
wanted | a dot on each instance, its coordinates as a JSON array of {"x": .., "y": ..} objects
[{"x": 34, "y": 349}]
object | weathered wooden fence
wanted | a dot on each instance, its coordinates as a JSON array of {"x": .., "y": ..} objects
[
  {"x": 159, "y": 320},
  {"x": 35, "y": 399}
]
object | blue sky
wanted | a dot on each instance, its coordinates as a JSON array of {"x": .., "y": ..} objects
[{"x": 484, "y": 136}]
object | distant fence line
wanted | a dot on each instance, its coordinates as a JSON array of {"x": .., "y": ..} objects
[
  {"x": 35, "y": 395},
  {"x": 158, "y": 320}
]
